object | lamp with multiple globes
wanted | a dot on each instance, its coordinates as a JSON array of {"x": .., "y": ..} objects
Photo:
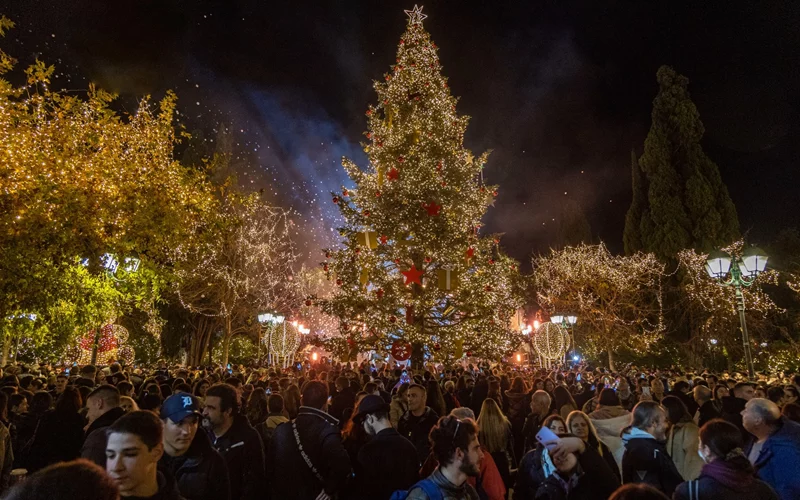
[{"x": 743, "y": 272}]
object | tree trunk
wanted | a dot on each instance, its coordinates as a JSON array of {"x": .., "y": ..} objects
[
  {"x": 226, "y": 341},
  {"x": 6, "y": 346},
  {"x": 610, "y": 360},
  {"x": 198, "y": 345}
]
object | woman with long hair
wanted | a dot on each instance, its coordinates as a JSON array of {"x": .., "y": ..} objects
[
  {"x": 516, "y": 409},
  {"x": 435, "y": 399},
  {"x": 495, "y": 436},
  {"x": 579, "y": 424},
  {"x": 256, "y": 409},
  {"x": 565, "y": 404},
  {"x": 682, "y": 438},
  {"x": 537, "y": 465},
  {"x": 727, "y": 473},
  {"x": 291, "y": 401},
  {"x": 399, "y": 404},
  {"x": 59, "y": 436}
]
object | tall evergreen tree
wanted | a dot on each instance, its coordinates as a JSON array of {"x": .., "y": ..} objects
[
  {"x": 413, "y": 267},
  {"x": 688, "y": 205},
  {"x": 632, "y": 237}
]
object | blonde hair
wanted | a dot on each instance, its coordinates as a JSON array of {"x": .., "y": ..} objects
[
  {"x": 493, "y": 427},
  {"x": 593, "y": 439}
]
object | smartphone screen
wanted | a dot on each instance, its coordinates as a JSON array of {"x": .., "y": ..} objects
[{"x": 545, "y": 435}]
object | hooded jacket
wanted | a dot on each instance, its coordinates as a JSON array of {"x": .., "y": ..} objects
[
  {"x": 646, "y": 461},
  {"x": 201, "y": 472},
  {"x": 778, "y": 464},
  {"x": 726, "y": 480},
  {"x": 682, "y": 443},
  {"x": 166, "y": 490},
  {"x": 609, "y": 430}
]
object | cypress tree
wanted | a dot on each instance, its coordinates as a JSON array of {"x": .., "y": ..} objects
[{"x": 688, "y": 205}]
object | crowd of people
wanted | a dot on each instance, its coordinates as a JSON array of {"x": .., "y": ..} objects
[{"x": 341, "y": 431}]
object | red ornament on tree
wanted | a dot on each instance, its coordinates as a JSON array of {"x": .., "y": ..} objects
[
  {"x": 428, "y": 260},
  {"x": 325, "y": 266},
  {"x": 470, "y": 252},
  {"x": 336, "y": 199},
  {"x": 437, "y": 346},
  {"x": 432, "y": 208},
  {"x": 379, "y": 293},
  {"x": 400, "y": 159},
  {"x": 413, "y": 275},
  {"x": 308, "y": 302},
  {"x": 393, "y": 174},
  {"x": 366, "y": 213},
  {"x": 392, "y": 319},
  {"x": 469, "y": 354},
  {"x": 401, "y": 351},
  {"x": 339, "y": 281},
  {"x": 345, "y": 192},
  {"x": 488, "y": 288},
  {"x": 384, "y": 239},
  {"x": 377, "y": 194}
]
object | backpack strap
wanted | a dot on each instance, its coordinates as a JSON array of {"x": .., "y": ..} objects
[{"x": 429, "y": 487}]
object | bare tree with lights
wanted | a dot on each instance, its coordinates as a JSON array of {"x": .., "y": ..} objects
[
  {"x": 243, "y": 268},
  {"x": 412, "y": 266},
  {"x": 616, "y": 298}
]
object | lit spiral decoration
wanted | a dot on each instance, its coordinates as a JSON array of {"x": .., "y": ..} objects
[
  {"x": 112, "y": 346},
  {"x": 551, "y": 341}
]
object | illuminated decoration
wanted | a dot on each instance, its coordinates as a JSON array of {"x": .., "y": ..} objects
[
  {"x": 714, "y": 308},
  {"x": 415, "y": 16},
  {"x": 112, "y": 346},
  {"x": 428, "y": 219},
  {"x": 401, "y": 351},
  {"x": 550, "y": 342},
  {"x": 282, "y": 341},
  {"x": 618, "y": 298}
]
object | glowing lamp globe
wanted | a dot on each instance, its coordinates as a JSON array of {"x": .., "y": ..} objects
[
  {"x": 551, "y": 341},
  {"x": 718, "y": 264},
  {"x": 754, "y": 261}
]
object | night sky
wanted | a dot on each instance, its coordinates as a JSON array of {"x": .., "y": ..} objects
[{"x": 560, "y": 90}]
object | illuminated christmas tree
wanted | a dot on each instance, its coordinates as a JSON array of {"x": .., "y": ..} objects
[{"x": 413, "y": 267}]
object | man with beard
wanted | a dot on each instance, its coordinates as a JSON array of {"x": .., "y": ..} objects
[
  {"x": 236, "y": 440},
  {"x": 645, "y": 459},
  {"x": 455, "y": 444},
  {"x": 388, "y": 460},
  {"x": 200, "y": 471}
]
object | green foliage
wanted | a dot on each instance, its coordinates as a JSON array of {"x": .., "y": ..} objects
[{"x": 688, "y": 205}]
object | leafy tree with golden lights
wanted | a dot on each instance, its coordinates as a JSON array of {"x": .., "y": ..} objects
[
  {"x": 617, "y": 298},
  {"x": 712, "y": 309},
  {"x": 412, "y": 266},
  {"x": 78, "y": 181},
  {"x": 242, "y": 268}
]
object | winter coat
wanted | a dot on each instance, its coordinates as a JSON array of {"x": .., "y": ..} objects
[
  {"x": 609, "y": 430},
  {"x": 290, "y": 476},
  {"x": 464, "y": 397},
  {"x": 58, "y": 439},
  {"x": 778, "y": 463},
  {"x": 529, "y": 430},
  {"x": 518, "y": 407},
  {"x": 266, "y": 428},
  {"x": 94, "y": 445},
  {"x": 201, "y": 472},
  {"x": 450, "y": 402},
  {"x": 243, "y": 453},
  {"x": 416, "y": 430},
  {"x": 709, "y": 411},
  {"x": 397, "y": 408},
  {"x": 722, "y": 480},
  {"x": 167, "y": 490},
  {"x": 26, "y": 429},
  {"x": 592, "y": 481},
  {"x": 533, "y": 470},
  {"x": 646, "y": 461},
  {"x": 682, "y": 443},
  {"x": 388, "y": 462}
]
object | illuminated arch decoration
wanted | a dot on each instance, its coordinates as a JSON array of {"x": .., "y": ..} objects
[{"x": 112, "y": 346}]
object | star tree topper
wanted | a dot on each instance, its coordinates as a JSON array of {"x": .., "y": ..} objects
[{"x": 415, "y": 16}]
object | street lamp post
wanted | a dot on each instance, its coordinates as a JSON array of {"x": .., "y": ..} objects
[
  {"x": 273, "y": 320},
  {"x": 568, "y": 322},
  {"x": 743, "y": 273}
]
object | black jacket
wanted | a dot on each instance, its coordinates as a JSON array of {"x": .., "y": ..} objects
[
  {"x": 290, "y": 476},
  {"x": 243, "y": 453},
  {"x": 201, "y": 472},
  {"x": 530, "y": 474},
  {"x": 342, "y": 401},
  {"x": 646, "y": 461},
  {"x": 732, "y": 412},
  {"x": 388, "y": 462},
  {"x": 167, "y": 490},
  {"x": 416, "y": 430},
  {"x": 58, "y": 439},
  {"x": 595, "y": 481},
  {"x": 708, "y": 412},
  {"x": 94, "y": 446}
]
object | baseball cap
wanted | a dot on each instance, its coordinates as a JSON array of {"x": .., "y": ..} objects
[{"x": 179, "y": 406}]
